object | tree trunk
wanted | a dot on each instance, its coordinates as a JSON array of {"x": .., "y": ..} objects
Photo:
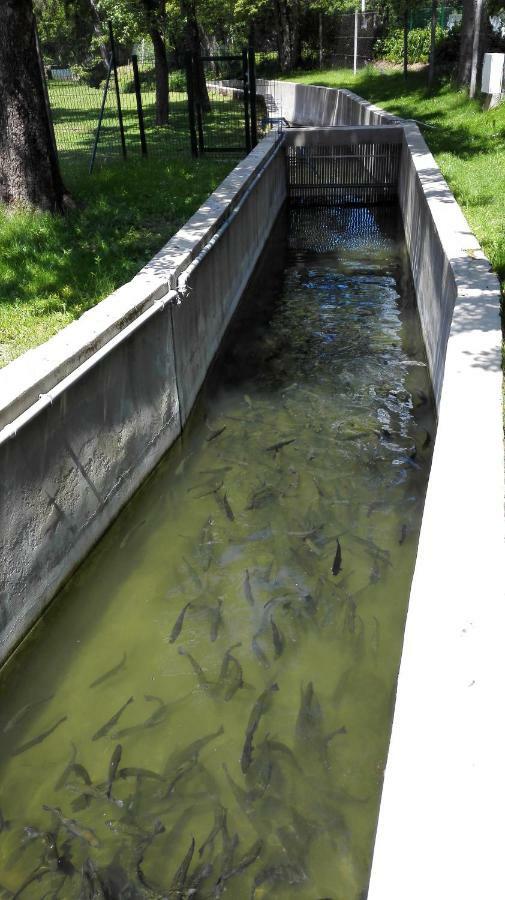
[
  {"x": 288, "y": 33},
  {"x": 320, "y": 41},
  {"x": 474, "y": 36},
  {"x": 192, "y": 38},
  {"x": 98, "y": 30},
  {"x": 161, "y": 76},
  {"x": 29, "y": 170},
  {"x": 431, "y": 70}
]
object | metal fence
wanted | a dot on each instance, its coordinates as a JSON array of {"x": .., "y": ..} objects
[
  {"x": 112, "y": 107},
  {"x": 98, "y": 104}
]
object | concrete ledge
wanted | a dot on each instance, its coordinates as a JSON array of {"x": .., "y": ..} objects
[
  {"x": 438, "y": 834},
  {"x": 88, "y": 415}
]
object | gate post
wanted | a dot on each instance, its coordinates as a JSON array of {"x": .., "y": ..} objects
[
  {"x": 140, "y": 113},
  {"x": 118, "y": 97},
  {"x": 252, "y": 87},
  {"x": 245, "y": 80},
  {"x": 191, "y": 103}
]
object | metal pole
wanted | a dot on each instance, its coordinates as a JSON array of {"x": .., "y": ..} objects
[
  {"x": 252, "y": 87},
  {"x": 199, "y": 126},
  {"x": 46, "y": 92},
  {"x": 405, "y": 41},
  {"x": 246, "y": 101},
  {"x": 118, "y": 97},
  {"x": 355, "y": 40},
  {"x": 140, "y": 112},
  {"x": 100, "y": 117},
  {"x": 191, "y": 103}
]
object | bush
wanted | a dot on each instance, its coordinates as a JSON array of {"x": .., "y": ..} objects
[
  {"x": 147, "y": 78},
  {"x": 390, "y": 48}
]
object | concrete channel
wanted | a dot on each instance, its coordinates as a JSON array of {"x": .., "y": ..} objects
[{"x": 87, "y": 416}]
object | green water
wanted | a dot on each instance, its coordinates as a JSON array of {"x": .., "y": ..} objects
[{"x": 324, "y": 357}]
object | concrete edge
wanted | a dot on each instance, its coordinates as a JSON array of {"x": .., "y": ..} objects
[
  {"x": 439, "y": 831},
  {"x": 38, "y": 370}
]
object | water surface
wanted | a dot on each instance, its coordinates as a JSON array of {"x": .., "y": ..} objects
[{"x": 287, "y": 517}]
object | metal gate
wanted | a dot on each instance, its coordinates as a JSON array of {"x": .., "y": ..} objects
[{"x": 222, "y": 103}]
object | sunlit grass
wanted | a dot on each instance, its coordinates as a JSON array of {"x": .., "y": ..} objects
[{"x": 54, "y": 268}]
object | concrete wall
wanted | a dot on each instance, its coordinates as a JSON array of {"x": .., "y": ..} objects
[
  {"x": 86, "y": 416},
  {"x": 440, "y": 826}
]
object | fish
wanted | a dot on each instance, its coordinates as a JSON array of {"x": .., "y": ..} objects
[
  {"x": 216, "y": 619},
  {"x": 220, "y": 815},
  {"x": 247, "y": 588},
  {"x": 176, "y": 630},
  {"x": 110, "y": 724},
  {"x": 277, "y": 638},
  {"x": 223, "y": 502},
  {"x": 113, "y": 765},
  {"x": 276, "y": 447},
  {"x": 231, "y": 674},
  {"x": 80, "y": 772},
  {"x": 247, "y": 860},
  {"x": 110, "y": 673},
  {"x": 63, "y": 777},
  {"x": 258, "y": 710},
  {"x": 146, "y": 842},
  {"x": 403, "y": 534},
  {"x": 243, "y": 798},
  {"x": 193, "y": 574},
  {"x": 226, "y": 661},
  {"x": 136, "y": 772},
  {"x": 179, "y": 879},
  {"x": 180, "y": 468},
  {"x": 259, "y": 652},
  {"x": 156, "y": 718},
  {"x": 289, "y": 873},
  {"x": 215, "y": 434},
  {"x": 427, "y": 441},
  {"x": 193, "y": 750},
  {"x": 278, "y": 747},
  {"x": 260, "y": 497},
  {"x": 337, "y": 562},
  {"x": 5, "y": 824},
  {"x": 227, "y": 508},
  {"x": 21, "y": 713},
  {"x": 309, "y": 732},
  {"x": 200, "y": 874},
  {"x": 129, "y": 533},
  {"x": 73, "y": 827},
  {"x": 197, "y": 669},
  {"x": 206, "y": 488},
  {"x": 36, "y": 875},
  {"x": 38, "y": 740}
]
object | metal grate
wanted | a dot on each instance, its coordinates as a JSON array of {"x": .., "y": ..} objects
[{"x": 349, "y": 173}]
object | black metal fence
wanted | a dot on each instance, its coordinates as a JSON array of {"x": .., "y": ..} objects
[{"x": 113, "y": 107}]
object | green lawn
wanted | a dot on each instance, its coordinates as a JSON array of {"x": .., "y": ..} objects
[
  {"x": 54, "y": 268},
  {"x": 468, "y": 144}
]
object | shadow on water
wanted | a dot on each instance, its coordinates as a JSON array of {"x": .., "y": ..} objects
[{"x": 221, "y": 669}]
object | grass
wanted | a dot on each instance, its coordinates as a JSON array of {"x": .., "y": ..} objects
[
  {"x": 52, "y": 269},
  {"x": 468, "y": 144}
]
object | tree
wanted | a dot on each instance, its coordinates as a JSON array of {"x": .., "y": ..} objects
[
  {"x": 155, "y": 14},
  {"x": 474, "y": 33},
  {"x": 193, "y": 45},
  {"x": 29, "y": 170}
]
